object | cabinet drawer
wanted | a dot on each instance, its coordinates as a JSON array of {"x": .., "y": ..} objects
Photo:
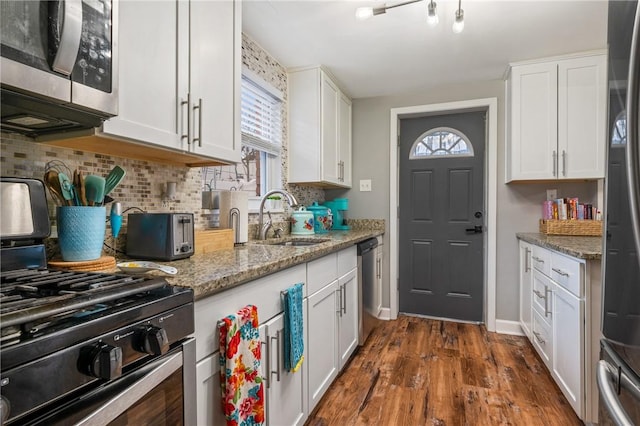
[
  {"x": 541, "y": 338},
  {"x": 347, "y": 260},
  {"x": 541, "y": 259},
  {"x": 541, "y": 295},
  {"x": 321, "y": 272},
  {"x": 263, "y": 293},
  {"x": 567, "y": 272}
]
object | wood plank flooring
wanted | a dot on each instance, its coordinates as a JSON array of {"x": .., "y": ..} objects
[{"x": 416, "y": 371}]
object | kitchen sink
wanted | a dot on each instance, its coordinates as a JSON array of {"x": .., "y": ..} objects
[{"x": 296, "y": 242}]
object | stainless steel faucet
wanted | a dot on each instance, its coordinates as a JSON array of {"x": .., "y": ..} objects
[{"x": 263, "y": 228}]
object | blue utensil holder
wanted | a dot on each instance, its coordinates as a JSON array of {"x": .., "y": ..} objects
[{"x": 81, "y": 232}]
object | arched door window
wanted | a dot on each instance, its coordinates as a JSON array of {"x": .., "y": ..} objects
[
  {"x": 441, "y": 142},
  {"x": 619, "y": 132}
]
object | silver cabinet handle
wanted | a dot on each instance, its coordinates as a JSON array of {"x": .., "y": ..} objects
[
  {"x": 537, "y": 259},
  {"x": 564, "y": 163},
  {"x": 547, "y": 312},
  {"x": 539, "y": 338},
  {"x": 555, "y": 161},
  {"x": 70, "y": 36},
  {"x": 199, "y": 108},
  {"x": 560, "y": 272},
  {"x": 527, "y": 256},
  {"x": 633, "y": 142},
  {"x": 267, "y": 376},
  {"x": 188, "y": 105},
  {"x": 278, "y": 354},
  {"x": 605, "y": 375},
  {"x": 540, "y": 295},
  {"x": 344, "y": 300},
  {"x": 339, "y": 311},
  {"x": 378, "y": 268}
]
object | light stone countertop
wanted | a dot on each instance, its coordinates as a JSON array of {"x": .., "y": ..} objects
[
  {"x": 211, "y": 273},
  {"x": 588, "y": 248}
]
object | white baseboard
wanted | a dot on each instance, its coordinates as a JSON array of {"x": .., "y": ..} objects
[
  {"x": 509, "y": 327},
  {"x": 384, "y": 314}
]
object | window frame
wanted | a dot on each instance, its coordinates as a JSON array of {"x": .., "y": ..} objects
[{"x": 420, "y": 140}]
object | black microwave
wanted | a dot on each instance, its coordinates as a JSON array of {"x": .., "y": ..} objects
[{"x": 59, "y": 64}]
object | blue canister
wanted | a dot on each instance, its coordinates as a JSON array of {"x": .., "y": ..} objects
[
  {"x": 81, "y": 232},
  {"x": 322, "y": 218}
]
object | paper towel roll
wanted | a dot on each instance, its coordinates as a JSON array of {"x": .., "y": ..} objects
[{"x": 230, "y": 200}]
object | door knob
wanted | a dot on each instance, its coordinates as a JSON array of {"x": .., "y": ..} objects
[{"x": 475, "y": 230}]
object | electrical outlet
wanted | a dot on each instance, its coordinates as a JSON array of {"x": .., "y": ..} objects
[
  {"x": 365, "y": 185},
  {"x": 552, "y": 194}
]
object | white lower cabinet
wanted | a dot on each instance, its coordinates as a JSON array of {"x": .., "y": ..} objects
[
  {"x": 330, "y": 329},
  {"x": 565, "y": 328},
  {"x": 285, "y": 391},
  {"x": 322, "y": 363},
  {"x": 525, "y": 288}
]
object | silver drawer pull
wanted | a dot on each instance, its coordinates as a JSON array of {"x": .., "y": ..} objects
[
  {"x": 539, "y": 338},
  {"x": 540, "y": 295},
  {"x": 560, "y": 272},
  {"x": 537, "y": 259},
  {"x": 547, "y": 311}
]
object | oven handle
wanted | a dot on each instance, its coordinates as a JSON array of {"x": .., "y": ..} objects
[
  {"x": 605, "y": 377},
  {"x": 128, "y": 397}
]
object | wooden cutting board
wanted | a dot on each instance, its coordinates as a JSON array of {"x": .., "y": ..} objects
[
  {"x": 212, "y": 240},
  {"x": 104, "y": 263}
]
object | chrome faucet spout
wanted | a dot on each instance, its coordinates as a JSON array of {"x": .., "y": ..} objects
[{"x": 262, "y": 229}]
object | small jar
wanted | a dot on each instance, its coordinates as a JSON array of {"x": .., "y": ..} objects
[
  {"x": 302, "y": 222},
  {"x": 321, "y": 220}
]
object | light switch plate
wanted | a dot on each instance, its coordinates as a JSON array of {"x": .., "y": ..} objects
[
  {"x": 365, "y": 185},
  {"x": 552, "y": 194}
]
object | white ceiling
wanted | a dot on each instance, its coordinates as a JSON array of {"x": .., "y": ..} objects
[{"x": 398, "y": 53}]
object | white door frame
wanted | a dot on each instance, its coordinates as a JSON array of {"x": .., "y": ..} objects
[{"x": 490, "y": 105}]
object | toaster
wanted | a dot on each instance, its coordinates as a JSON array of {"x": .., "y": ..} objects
[{"x": 160, "y": 236}]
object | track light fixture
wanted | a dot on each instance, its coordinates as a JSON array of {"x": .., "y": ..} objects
[{"x": 363, "y": 13}]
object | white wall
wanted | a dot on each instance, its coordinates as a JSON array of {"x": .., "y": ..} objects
[{"x": 519, "y": 205}]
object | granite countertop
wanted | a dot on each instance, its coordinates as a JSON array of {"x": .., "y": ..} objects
[
  {"x": 214, "y": 272},
  {"x": 587, "y": 248}
]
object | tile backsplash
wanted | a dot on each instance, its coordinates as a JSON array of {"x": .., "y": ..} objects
[{"x": 145, "y": 181}]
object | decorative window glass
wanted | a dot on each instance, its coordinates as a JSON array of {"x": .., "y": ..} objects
[
  {"x": 441, "y": 142},
  {"x": 619, "y": 132}
]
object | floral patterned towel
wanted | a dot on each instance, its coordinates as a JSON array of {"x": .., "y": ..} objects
[{"x": 240, "y": 381}]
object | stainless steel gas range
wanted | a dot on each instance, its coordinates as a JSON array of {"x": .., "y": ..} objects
[{"x": 89, "y": 348}]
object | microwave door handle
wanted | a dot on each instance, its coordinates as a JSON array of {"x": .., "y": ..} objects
[
  {"x": 124, "y": 400},
  {"x": 70, "y": 36}
]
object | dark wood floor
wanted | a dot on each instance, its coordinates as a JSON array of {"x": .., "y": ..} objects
[{"x": 416, "y": 371}]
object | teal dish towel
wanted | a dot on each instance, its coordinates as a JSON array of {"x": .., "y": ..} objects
[{"x": 293, "y": 329}]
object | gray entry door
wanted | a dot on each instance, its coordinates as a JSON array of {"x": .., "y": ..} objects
[{"x": 442, "y": 215}]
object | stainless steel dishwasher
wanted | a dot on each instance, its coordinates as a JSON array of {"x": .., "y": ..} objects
[{"x": 366, "y": 282}]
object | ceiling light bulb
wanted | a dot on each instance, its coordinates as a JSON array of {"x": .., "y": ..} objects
[
  {"x": 458, "y": 25},
  {"x": 363, "y": 13},
  {"x": 432, "y": 16}
]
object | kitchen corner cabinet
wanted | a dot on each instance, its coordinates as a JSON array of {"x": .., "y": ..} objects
[
  {"x": 564, "y": 314},
  {"x": 556, "y": 119},
  {"x": 179, "y": 78},
  {"x": 319, "y": 129}
]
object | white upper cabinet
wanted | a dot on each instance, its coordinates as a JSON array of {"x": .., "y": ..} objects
[
  {"x": 180, "y": 78},
  {"x": 319, "y": 130},
  {"x": 557, "y": 119}
]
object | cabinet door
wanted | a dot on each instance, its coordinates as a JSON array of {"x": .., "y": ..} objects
[
  {"x": 348, "y": 326},
  {"x": 525, "y": 287},
  {"x": 582, "y": 112},
  {"x": 568, "y": 346},
  {"x": 285, "y": 390},
  {"x": 153, "y": 74},
  {"x": 344, "y": 140},
  {"x": 208, "y": 393},
  {"x": 330, "y": 152},
  {"x": 215, "y": 78},
  {"x": 534, "y": 121},
  {"x": 322, "y": 331}
]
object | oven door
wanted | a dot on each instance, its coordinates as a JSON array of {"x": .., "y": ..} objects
[{"x": 161, "y": 392}]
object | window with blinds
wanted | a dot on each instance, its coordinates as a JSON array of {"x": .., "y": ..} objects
[{"x": 261, "y": 130}]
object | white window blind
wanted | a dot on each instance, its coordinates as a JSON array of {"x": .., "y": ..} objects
[{"x": 260, "y": 118}]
